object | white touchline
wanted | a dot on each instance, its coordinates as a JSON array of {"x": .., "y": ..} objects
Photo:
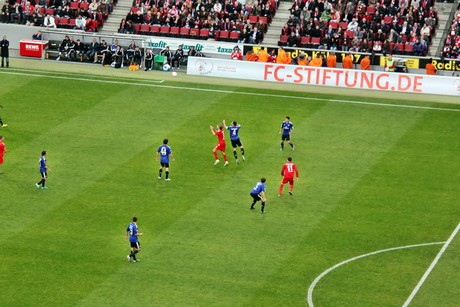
[
  {"x": 430, "y": 268},
  {"x": 138, "y": 83},
  {"x": 320, "y": 276}
]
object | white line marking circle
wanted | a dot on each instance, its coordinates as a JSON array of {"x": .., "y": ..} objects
[{"x": 320, "y": 276}]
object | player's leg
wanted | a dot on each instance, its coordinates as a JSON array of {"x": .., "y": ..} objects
[
  {"x": 290, "y": 142},
  {"x": 222, "y": 150},
  {"x": 255, "y": 198},
  {"x": 160, "y": 171},
  {"x": 42, "y": 181},
  {"x": 242, "y": 152},
  {"x": 282, "y": 141},
  {"x": 235, "y": 154},
  {"x": 291, "y": 185},
  {"x": 167, "y": 173},
  {"x": 283, "y": 182},
  {"x": 214, "y": 152},
  {"x": 262, "y": 209}
]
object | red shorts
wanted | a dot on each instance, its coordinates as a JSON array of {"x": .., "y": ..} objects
[
  {"x": 220, "y": 146},
  {"x": 287, "y": 179}
]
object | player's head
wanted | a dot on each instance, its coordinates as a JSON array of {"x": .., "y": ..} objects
[
  {"x": 165, "y": 141},
  {"x": 1, "y": 137},
  {"x": 134, "y": 219},
  {"x": 234, "y": 123},
  {"x": 263, "y": 180},
  {"x": 43, "y": 153},
  {"x": 287, "y": 119},
  {"x": 219, "y": 126},
  {"x": 289, "y": 159}
]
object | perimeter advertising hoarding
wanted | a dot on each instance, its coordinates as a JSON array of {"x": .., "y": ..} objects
[
  {"x": 379, "y": 60},
  {"x": 306, "y": 75},
  {"x": 206, "y": 47}
]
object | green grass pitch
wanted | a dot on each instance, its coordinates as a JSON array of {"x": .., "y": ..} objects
[{"x": 372, "y": 177}]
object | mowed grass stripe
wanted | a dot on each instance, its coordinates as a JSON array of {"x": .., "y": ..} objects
[
  {"x": 137, "y": 131},
  {"x": 253, "y": 92},
  {"x": 340, "y": 152},
  {"x": 226, "y": 198},
  {"x": 248, "y": 247},
  {"x": 405, "y": 193}
]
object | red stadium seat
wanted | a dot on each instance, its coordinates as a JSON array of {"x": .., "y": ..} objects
[
  {"x": 204, "y": 33},
  {"x": 155, "y": 30},
  {"x": 305, "y": 41},
  {"x": 315, "y": 41},
  {"x": 164, "y": 30},
  {"x": 234, "y": 36},
  {"x": 283, "y": 40},
  {"x": 184, "y": 32},
  {"x": 144, "y": 29},
  {"x": 174, "y": 31},
  {"x": 223, "y": 36}
]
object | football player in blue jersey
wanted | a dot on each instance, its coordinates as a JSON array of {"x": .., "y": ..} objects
[
  {"x": 132, "y": 234},
  {"x": 164, "y": 152},
  {"x": 258, "y": 193},
  {"x": 43, "y": 171},
  {"x": 285, "y": 131},
  {"x": 235, "y": 139}
]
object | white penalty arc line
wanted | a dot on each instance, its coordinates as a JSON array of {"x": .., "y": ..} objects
[
  {"x": 320, "y": 276},
  {"x": 235, "y": 92},
  {"x": 430, "y": 268}
]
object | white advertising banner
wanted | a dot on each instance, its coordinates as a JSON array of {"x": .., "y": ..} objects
[
  {"x": 206, "y": 47},
  {"x": 335, "y": 77}
]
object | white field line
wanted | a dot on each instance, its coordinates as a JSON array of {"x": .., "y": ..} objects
[
  {"x": 56, "y": 76},
  {"x": 139, "y": 83},
  {"x": 320, "y": 276},
  {"x": 431, "y": 267}
]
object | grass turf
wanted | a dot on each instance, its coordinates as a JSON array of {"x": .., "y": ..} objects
[{"x": 372, "y": 177}]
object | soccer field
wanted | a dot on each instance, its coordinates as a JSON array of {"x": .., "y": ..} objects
[{"x": 377, "y": 203}]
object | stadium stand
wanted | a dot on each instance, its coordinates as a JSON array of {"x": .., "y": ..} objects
[
  {"x": 78, "y": 15},
  {"x": 210, "y": 19},
  {"x": 387, "y": 23},
  {"x": 452, "y": 43}
]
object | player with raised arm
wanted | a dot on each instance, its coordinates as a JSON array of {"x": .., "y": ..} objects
[
  {"x": 285, "y": 131},
  {"x": 164, "y": 152},
  {"x": 132, "y": 234},
  {"x": 220, "y": 145},
  {"x": 235, "y": 139},
  {"x": 258, "y": 193},
  {"x": 288, "y": 171}
]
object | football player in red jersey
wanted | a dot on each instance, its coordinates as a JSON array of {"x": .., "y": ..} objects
[
  {"x": 220, "y": 145},
  {"x": 288, "y": 171}
]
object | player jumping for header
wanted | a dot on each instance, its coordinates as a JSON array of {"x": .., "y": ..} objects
[
  {"x": 235, "y": 139},
  {"x": 220, "y": 145}
]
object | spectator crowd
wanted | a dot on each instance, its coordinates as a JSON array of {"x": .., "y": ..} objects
[
  {"x": 213, "y": 15},
  {"x": 452, "y": 44},
  {"x": 381, "y": 26},
  {"x": 77, "y": 15}
]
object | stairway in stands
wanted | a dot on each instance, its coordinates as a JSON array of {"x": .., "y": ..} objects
[
  {"x": 120, "y": 11},
  {"x": 444, "y": 22},
  {"x": 274, "y": 30}
]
